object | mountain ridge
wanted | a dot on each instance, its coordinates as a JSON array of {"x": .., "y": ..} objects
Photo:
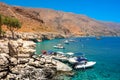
[{"x": 47, "y": 20}]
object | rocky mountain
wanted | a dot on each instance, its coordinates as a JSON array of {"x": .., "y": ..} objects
[{"x": 46, "y": 20}]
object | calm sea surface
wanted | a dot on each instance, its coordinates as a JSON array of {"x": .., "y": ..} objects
[{"x": 106, "y": 52}]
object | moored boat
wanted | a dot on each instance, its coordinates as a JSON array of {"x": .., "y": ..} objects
[
  {"x": 72, "y": 40},
  {"x": 59, "y": 46},
  {"x": 66, "y": 42},
  {"x": 87, "y": 64}
]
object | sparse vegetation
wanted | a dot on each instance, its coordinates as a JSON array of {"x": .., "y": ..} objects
[
  {"x": 12, "y": 24},
  {"x": 45, "y": 20}
]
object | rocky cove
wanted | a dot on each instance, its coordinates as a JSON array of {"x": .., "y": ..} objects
[{"x": 18, "y": 60}]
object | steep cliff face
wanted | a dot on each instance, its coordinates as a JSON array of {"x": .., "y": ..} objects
[{"x": 45, "y": 20}]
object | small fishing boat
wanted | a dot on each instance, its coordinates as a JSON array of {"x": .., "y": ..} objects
[
  {"x": 59, "y": 46},
  {"x": 72, "y": 40},
  {"x": 98, "y": 37},
  {"x": 70, "y": 53},
  {"x": 66, "y": 42},
  {"x": 87, "y": 64}
]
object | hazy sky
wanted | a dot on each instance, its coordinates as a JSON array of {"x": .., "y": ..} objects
[{"x": 104, "y": 10}]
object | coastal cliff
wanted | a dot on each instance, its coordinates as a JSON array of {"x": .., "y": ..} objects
[
  {"x": 45, "y": 20},
  {"x": 18, "y": 61}
]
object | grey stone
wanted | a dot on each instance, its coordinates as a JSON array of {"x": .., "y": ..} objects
[
  {"x": 3, "y": 74},
  {"x": 11, "y": 77},
  {"x": 23, "y": 60},
  {"x": 4, "y": 59}
]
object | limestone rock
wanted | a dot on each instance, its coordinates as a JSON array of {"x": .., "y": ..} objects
[
  {"x": 24, "y": 55},
  {"x": 15, "y": 70},
  {"x": 13, "y": 61},
  {"x": 3, "y": 74},
  {"x": 36, "y": 64},
  {"x": 31, "y": 73},
  {"x": 3, "y": 47},
  {"x": 12, "y": 77},
  {"x": 4, "y": 60},
  {"x": 23, "y": 60},
  {"x": 49, "y": 73}
]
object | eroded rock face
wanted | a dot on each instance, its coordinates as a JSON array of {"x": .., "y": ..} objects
[
  {"x": 3, "y": 74},
  {"x": 3, "y": 46},
  {"x": 33, "y": 36},
  {"x": 12, "y": 68},
  {"x": 49, "y": 73},
  {"x": 4, "y": 64},
  {"x": 4, "y": 59},
  {"x": 31, "y": 73},
  {"x": 13, "y": 61},
  {"x": 21, "y": 48},
  {"x": 24, "y": 66}
]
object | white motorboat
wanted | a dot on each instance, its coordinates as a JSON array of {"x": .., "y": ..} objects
[
  {"x": 66, "y": 42},
  {"x": 59, "y": 46},
  {"x": 70, "y": 53},
  {"x": 72, "y": 40},
  {"x": 59, "y": 52},
  {"x": 85, "y": 65}
]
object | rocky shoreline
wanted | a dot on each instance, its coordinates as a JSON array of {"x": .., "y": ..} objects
[
  {"x": 36, "y": 36},
  {"x": 18, "y": 61}
]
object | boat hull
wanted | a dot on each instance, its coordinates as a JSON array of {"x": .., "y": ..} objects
[
  {"x": 87, "y": 65},
  {"x": 57, "y": 47}
]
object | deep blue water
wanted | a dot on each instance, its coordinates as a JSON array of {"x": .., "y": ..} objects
[{"x": 106, "y": 52}]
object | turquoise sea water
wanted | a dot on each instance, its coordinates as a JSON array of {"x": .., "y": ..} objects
[{"x": 106, "y": 52}]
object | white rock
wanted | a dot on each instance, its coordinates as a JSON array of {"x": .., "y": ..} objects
[
  {"x": 2, "y": 74},
  {"x": 13, "y": 61}
]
